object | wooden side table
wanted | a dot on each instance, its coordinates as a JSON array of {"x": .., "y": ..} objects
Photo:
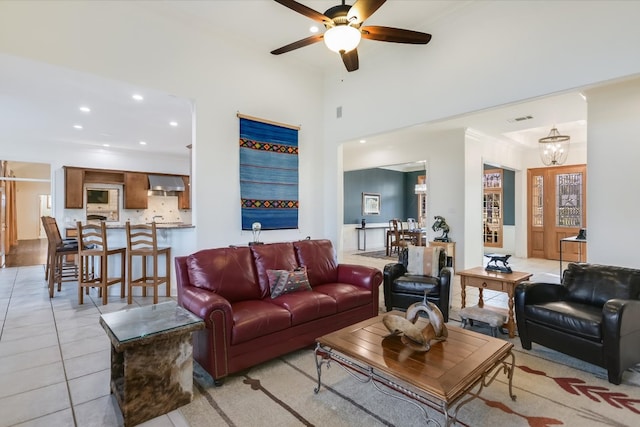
[
  {"x": 479, "y": 278},
  {"x": 151, "y": 359},
  {"x": 450, "y": 247}
]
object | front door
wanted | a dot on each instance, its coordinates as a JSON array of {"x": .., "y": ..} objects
[{"x": 556, "y": 209}]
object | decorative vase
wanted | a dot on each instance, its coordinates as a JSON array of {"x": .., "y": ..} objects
[{"x": 364, "y": 223}]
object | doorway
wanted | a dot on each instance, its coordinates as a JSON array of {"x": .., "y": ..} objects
[
  {"x": 27, "y": 195},
  {"x": 556, "y": 210}
]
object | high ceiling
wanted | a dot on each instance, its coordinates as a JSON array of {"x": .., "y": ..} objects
[{"x": 40, "y": 102}]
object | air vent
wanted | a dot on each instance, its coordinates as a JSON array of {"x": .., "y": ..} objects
[{"x": 520, "y": 119}]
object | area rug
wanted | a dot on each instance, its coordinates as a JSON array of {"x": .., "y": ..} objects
[
  {"x": 281, "y": 392},
  {"x": 378, "y": 254}
]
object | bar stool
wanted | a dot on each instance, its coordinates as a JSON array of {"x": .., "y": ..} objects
[
  {"x": 142, "y": 240},
  {"x": 58, "y": 268},
  {"x": 92, "y": 242}
]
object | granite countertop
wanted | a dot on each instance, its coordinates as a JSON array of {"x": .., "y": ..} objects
[{"x": 164, "y": 225}]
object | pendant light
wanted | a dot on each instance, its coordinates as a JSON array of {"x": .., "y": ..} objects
[{"x": 554, "y": 148}]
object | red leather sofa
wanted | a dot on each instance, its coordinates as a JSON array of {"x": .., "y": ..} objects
[{"x": 229, "y": 289}]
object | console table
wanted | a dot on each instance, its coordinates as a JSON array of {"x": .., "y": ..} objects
[
  {"x": 363, "y": 231},
  {"x": 151, "y": 359},
  {"x": 573, "y": 239}
]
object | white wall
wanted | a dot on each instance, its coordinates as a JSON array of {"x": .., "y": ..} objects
[
  {"x": 613, "y": 204},
  {"x": 27, "y": 205}
]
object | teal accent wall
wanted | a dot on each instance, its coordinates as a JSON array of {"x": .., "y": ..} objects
[
  {"x": 509, "y": 195},
  {"x": 396, "y": 189}
]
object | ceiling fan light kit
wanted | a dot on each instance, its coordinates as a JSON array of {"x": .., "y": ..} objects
[
  {"x": 345, "y": 30},
  {"x": 554, "y": 148},
  {"x": 342, "y": 38}
]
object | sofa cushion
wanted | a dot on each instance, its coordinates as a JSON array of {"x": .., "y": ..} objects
[
  {"x": 256, "y": 318},
  {"x": 416, "y": 285},
  {"x": 346, "y": 296},
  {"x": 320, "y": 259},
  {"x": 306, "y": 306},
  {"x": 285, "y": 282},
  {"x": 273, "y": 256},
  {"x": 424, "y": 260},
  {"x": 596, "y": 284},
  {"x": 573, "y": 318},
  {"x": 229, "y": 272}
]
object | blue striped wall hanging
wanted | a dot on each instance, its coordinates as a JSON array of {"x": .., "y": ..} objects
[{"x": 268, "y": 174}]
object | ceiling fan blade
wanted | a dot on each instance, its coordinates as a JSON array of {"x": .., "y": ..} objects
[
  {"x": 350, "y": 60},
  {"x": 304, "y": 10},
  {"x": 362, "y": 9},
  {"x": 298, "y": 44},
  {"x": 395, "y": 35}
]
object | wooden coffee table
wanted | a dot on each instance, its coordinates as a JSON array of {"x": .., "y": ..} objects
[
  {"x": 479, "y": 278},
  {"x": 451, "y": 374}
]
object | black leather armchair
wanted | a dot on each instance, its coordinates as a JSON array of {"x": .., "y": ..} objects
[
  {"x": 594, "y": 315},
  {"x": 401, "y": 289}
]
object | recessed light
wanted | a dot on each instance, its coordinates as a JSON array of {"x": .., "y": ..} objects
[
  {"x": 174, "y": 124},
  {"x": 143, "y": 143},
  {"x": 106, "y": 145},
  {"x": 77, "y": 126},
  {"x": 85, "y": 109},
  {"x": 137, "y": 97},
  {"x": 313, "y": 29},
  {"x": 362, "y": 141}
]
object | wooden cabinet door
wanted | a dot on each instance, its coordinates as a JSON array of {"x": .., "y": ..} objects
[
  {"x": 184, "y": 197},
  {"x": 557, "y": 209},
  {"x": 73, "y": 183},
  {"x": 136, "y": 186}
]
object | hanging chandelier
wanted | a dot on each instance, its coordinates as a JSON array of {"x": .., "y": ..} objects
[{"x": 554, "y": 148}]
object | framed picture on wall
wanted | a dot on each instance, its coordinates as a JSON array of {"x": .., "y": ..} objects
[{"x": 370, "y": 204}]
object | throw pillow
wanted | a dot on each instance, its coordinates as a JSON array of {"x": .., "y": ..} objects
[
  {"x": 283, "y": 282},
  {"x": 424, "y": 260}
]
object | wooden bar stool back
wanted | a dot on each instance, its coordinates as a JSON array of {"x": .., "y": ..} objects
[
  {"x": 61, "y": 256},
  {"x": 142, "y": 241},
  {"x": 92, "y": 242}
]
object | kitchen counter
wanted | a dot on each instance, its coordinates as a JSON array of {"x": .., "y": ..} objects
[{"x": 117, "y": 225}]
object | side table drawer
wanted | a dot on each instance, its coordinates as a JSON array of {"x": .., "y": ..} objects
[{"x": 484, "y": 283}]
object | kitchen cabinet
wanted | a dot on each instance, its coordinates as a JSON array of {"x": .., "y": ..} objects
[
  {"x": 136, "y": 186},
  {"x": 184, "y": 197},
  {"x": 73, "y": 184}
]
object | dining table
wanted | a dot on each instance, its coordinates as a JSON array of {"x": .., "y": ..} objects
[{"x": 418, "y": 237}]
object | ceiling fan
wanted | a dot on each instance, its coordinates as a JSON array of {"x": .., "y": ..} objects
[{"x": 344, "y": 29}]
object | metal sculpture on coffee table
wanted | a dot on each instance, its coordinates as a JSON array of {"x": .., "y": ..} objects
[
  {"x": 441, "y": 224},
  {"x": 498, "y": 258},
  {"x": 411, "y": 335}
]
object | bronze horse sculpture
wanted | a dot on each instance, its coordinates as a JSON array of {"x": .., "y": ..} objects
[{"x": 441, "y": 224}]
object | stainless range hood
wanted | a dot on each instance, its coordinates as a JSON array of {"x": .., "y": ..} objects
[{"x": 165, "y": 183}]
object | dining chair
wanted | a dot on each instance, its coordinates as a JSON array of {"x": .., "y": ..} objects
[
  {"x": 61, "y": 256},
  {"x": 396, "y": 238},
  {"x": 142, "y": 241},
  {"x": 92, "y": 243}
]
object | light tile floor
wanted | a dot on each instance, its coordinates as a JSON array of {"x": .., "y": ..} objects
[{"x": 55, "y": 357}]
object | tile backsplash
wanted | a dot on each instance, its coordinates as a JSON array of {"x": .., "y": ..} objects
[{"x": 163, "y": 208}]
